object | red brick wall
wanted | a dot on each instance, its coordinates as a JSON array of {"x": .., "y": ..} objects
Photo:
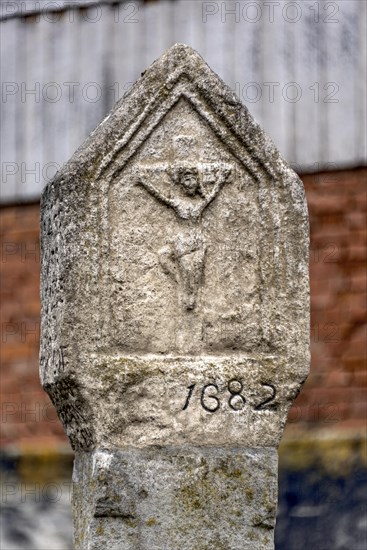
[
  {"x": 334, "y": 396},
  {"x": 27, "y": 415}
]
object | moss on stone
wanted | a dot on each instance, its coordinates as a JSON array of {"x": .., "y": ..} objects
[{"x": 100, "y": 529}]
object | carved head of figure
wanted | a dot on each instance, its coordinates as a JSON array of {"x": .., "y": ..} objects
[{"x": 187, "y": 176}]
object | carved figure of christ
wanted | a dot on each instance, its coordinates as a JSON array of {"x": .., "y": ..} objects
[
  {"x": 188, "y": 208},
  {"x": 183, "y": 257}
]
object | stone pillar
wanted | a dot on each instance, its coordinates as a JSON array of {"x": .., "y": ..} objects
[{"x": 175, "y": 315}]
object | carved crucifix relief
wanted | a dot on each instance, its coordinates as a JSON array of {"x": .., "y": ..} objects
[
  {"x": 170, "y": 389},
  {"x": 192, "y": 187}
]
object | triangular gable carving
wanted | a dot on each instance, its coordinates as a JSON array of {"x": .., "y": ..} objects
[{"x": 125, "y": 148}]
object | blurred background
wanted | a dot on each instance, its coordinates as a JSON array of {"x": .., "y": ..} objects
[{"x": 300, "y": 67}]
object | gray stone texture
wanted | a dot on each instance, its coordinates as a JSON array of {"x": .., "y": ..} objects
[
  {"x": 175, "y": 315},
  {"x": 182, "y": 498}
]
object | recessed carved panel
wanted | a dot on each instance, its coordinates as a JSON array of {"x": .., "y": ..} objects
[{"x": 184, "y": 231}]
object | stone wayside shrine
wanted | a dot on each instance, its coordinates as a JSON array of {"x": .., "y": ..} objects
[{"x": 175, "y": 315}]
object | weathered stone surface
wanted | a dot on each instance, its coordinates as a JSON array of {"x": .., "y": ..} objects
[
  {"x": 175, "y": 309},
  {"x": 182, "y": 498}
]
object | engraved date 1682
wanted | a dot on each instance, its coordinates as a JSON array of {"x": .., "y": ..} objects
[{"x": 211, "y": 400}]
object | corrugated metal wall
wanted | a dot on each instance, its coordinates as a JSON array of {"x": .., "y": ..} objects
[{"x": 299, "y": 66}]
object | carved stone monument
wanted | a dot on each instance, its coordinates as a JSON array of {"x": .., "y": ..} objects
[{"x": 175, "y": 315}]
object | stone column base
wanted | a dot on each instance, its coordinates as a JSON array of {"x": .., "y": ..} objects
[{"x": 175, "y": 498}]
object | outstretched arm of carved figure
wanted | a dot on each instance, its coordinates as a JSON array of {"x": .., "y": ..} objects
[
  {"x": 154, "y": 191},
  {"x": 224, "y": 174}
]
